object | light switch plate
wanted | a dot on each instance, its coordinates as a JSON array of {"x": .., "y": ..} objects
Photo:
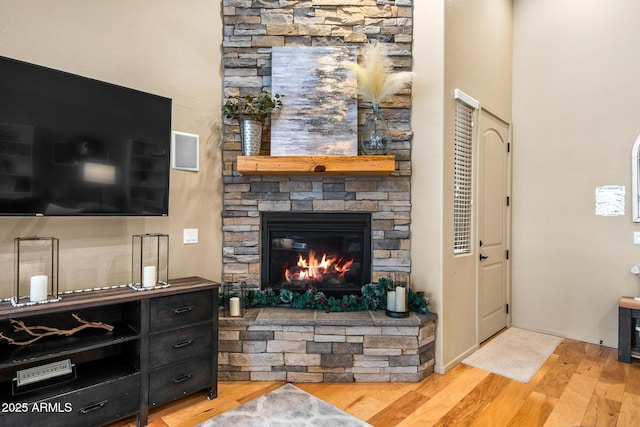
[
  {"x": 636, "y": 237},
  {"x": 190, "y": 236}
]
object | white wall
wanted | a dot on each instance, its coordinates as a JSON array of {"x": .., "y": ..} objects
[
  {"x": 576, "y": 98},
  {"x": 478, "y": 58},
  {"x": 576, "y": 110},
  {"x": 427, "y": 158},
  {"x": 466, "y": 45}
]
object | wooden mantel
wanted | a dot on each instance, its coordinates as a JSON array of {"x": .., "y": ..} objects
[{"x": 316, "y": 165}]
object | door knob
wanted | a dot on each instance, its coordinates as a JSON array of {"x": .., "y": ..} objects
[{"x": 483, "y": 257}]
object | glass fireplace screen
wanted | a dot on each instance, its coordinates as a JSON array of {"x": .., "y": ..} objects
[{"x": 331, "y": 252}]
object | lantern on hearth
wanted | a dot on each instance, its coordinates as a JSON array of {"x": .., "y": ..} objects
[
  {"x": 234, "y": 299},
  {"x": 398, "y": 295}
]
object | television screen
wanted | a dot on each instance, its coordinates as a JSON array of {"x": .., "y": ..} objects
[{"x": 71, "y": 145}]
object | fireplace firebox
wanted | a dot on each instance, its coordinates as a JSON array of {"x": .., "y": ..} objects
[{"x": 330, "y": 252}]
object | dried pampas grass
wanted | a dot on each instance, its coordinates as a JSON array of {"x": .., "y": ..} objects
[{"x": 375, "y": 80}]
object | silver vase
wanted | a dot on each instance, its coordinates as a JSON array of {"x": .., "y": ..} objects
[{"x": 251, "y": 133}]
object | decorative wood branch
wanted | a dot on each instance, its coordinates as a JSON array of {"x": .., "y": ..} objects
[{"x": 39, "y": 332}]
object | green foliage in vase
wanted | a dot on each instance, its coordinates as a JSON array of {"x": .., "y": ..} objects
[{"x": 251, "y": 107}]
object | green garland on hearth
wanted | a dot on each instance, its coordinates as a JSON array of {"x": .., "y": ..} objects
[{"x": 374, "y": 297}]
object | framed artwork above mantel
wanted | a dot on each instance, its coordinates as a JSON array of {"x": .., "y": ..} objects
[{"x": 319, "y": 115}]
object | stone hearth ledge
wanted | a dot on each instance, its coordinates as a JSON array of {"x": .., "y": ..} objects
[{"x": 285, "y": 344}]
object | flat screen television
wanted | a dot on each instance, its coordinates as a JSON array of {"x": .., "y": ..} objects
[{"x": 72, "y": 145}]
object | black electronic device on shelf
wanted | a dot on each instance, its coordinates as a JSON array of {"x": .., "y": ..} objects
[{"x": 72, "y": 145}]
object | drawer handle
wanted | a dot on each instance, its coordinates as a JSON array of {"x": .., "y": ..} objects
[
  {"x": 93, "y": 407},
  {"x": 183, "y": 344},
  {"x": 182, "y": 378},
  {"x": 183, "y": 309}
]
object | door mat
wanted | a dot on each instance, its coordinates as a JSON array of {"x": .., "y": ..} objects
[{"x": 515, "y": 354}]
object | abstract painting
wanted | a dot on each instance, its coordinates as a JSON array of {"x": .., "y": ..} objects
[{"x": 319, "y": 115}]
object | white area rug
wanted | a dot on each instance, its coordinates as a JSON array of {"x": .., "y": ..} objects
[
  {"x": 515, "y": 354},
  {"x": 287, "y": 406}
]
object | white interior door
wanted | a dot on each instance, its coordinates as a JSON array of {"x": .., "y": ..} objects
[{"x": 493, "y": 225}]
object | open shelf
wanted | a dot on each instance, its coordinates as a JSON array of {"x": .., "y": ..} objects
[
  {"x": 316, "y": 165},
  {"x": 62, "y": 346},
  {"x": 88, "y": 374}
]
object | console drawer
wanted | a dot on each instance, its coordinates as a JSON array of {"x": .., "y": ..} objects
[
  {"x": 90, "y": 406},
  {"x": 180, "y": 344},
  {"x": 180, "y": 310},
  {"x": 175, "y": 381}
]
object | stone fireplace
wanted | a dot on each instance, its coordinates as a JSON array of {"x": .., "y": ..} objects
[
  {"x": 250, "y": 30},
  {"x": 249, "y": 199},
  {"x": 281, "y": 344}
]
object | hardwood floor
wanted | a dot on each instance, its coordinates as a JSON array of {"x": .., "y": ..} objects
[{"x": 580, "y": 385}]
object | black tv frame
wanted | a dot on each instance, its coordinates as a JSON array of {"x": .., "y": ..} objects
[{"x": 75, "y": 146}]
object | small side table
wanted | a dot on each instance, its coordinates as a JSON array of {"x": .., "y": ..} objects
[{"x": 628, "y": 315}]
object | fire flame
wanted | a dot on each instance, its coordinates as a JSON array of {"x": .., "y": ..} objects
[{"x": 313, "y": 268}]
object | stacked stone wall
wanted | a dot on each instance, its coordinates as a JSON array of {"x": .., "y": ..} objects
[
  {"x": 274, "y": 344},
  {"x": 251, "y": 29}
]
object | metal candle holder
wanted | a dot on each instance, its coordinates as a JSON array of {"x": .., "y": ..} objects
[
  {"x": 149, "y": 261},
  {"x": 36, "y": 270},
  {"x": 398, "y": 295},
  {"x": 234, "y": 295}
]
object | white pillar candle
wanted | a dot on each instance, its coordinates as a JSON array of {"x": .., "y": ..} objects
[
  {"x": 149, "y": 276},
  {"x": 401, "y": 299},
  {"x": 38, "y": 288},
  {"x": 391, "y": 300},
  {"x": 234, "y": 306}
]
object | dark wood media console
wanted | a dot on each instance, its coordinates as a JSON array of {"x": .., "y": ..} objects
[
  {"x": 163, "y": 346},
  {"x": 628, "y": 336}
]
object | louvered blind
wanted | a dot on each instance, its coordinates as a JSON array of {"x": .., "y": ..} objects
[{"x": 463, "y": 185}]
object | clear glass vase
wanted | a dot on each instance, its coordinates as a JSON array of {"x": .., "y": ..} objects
[{"x": 375, "y": 138}]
